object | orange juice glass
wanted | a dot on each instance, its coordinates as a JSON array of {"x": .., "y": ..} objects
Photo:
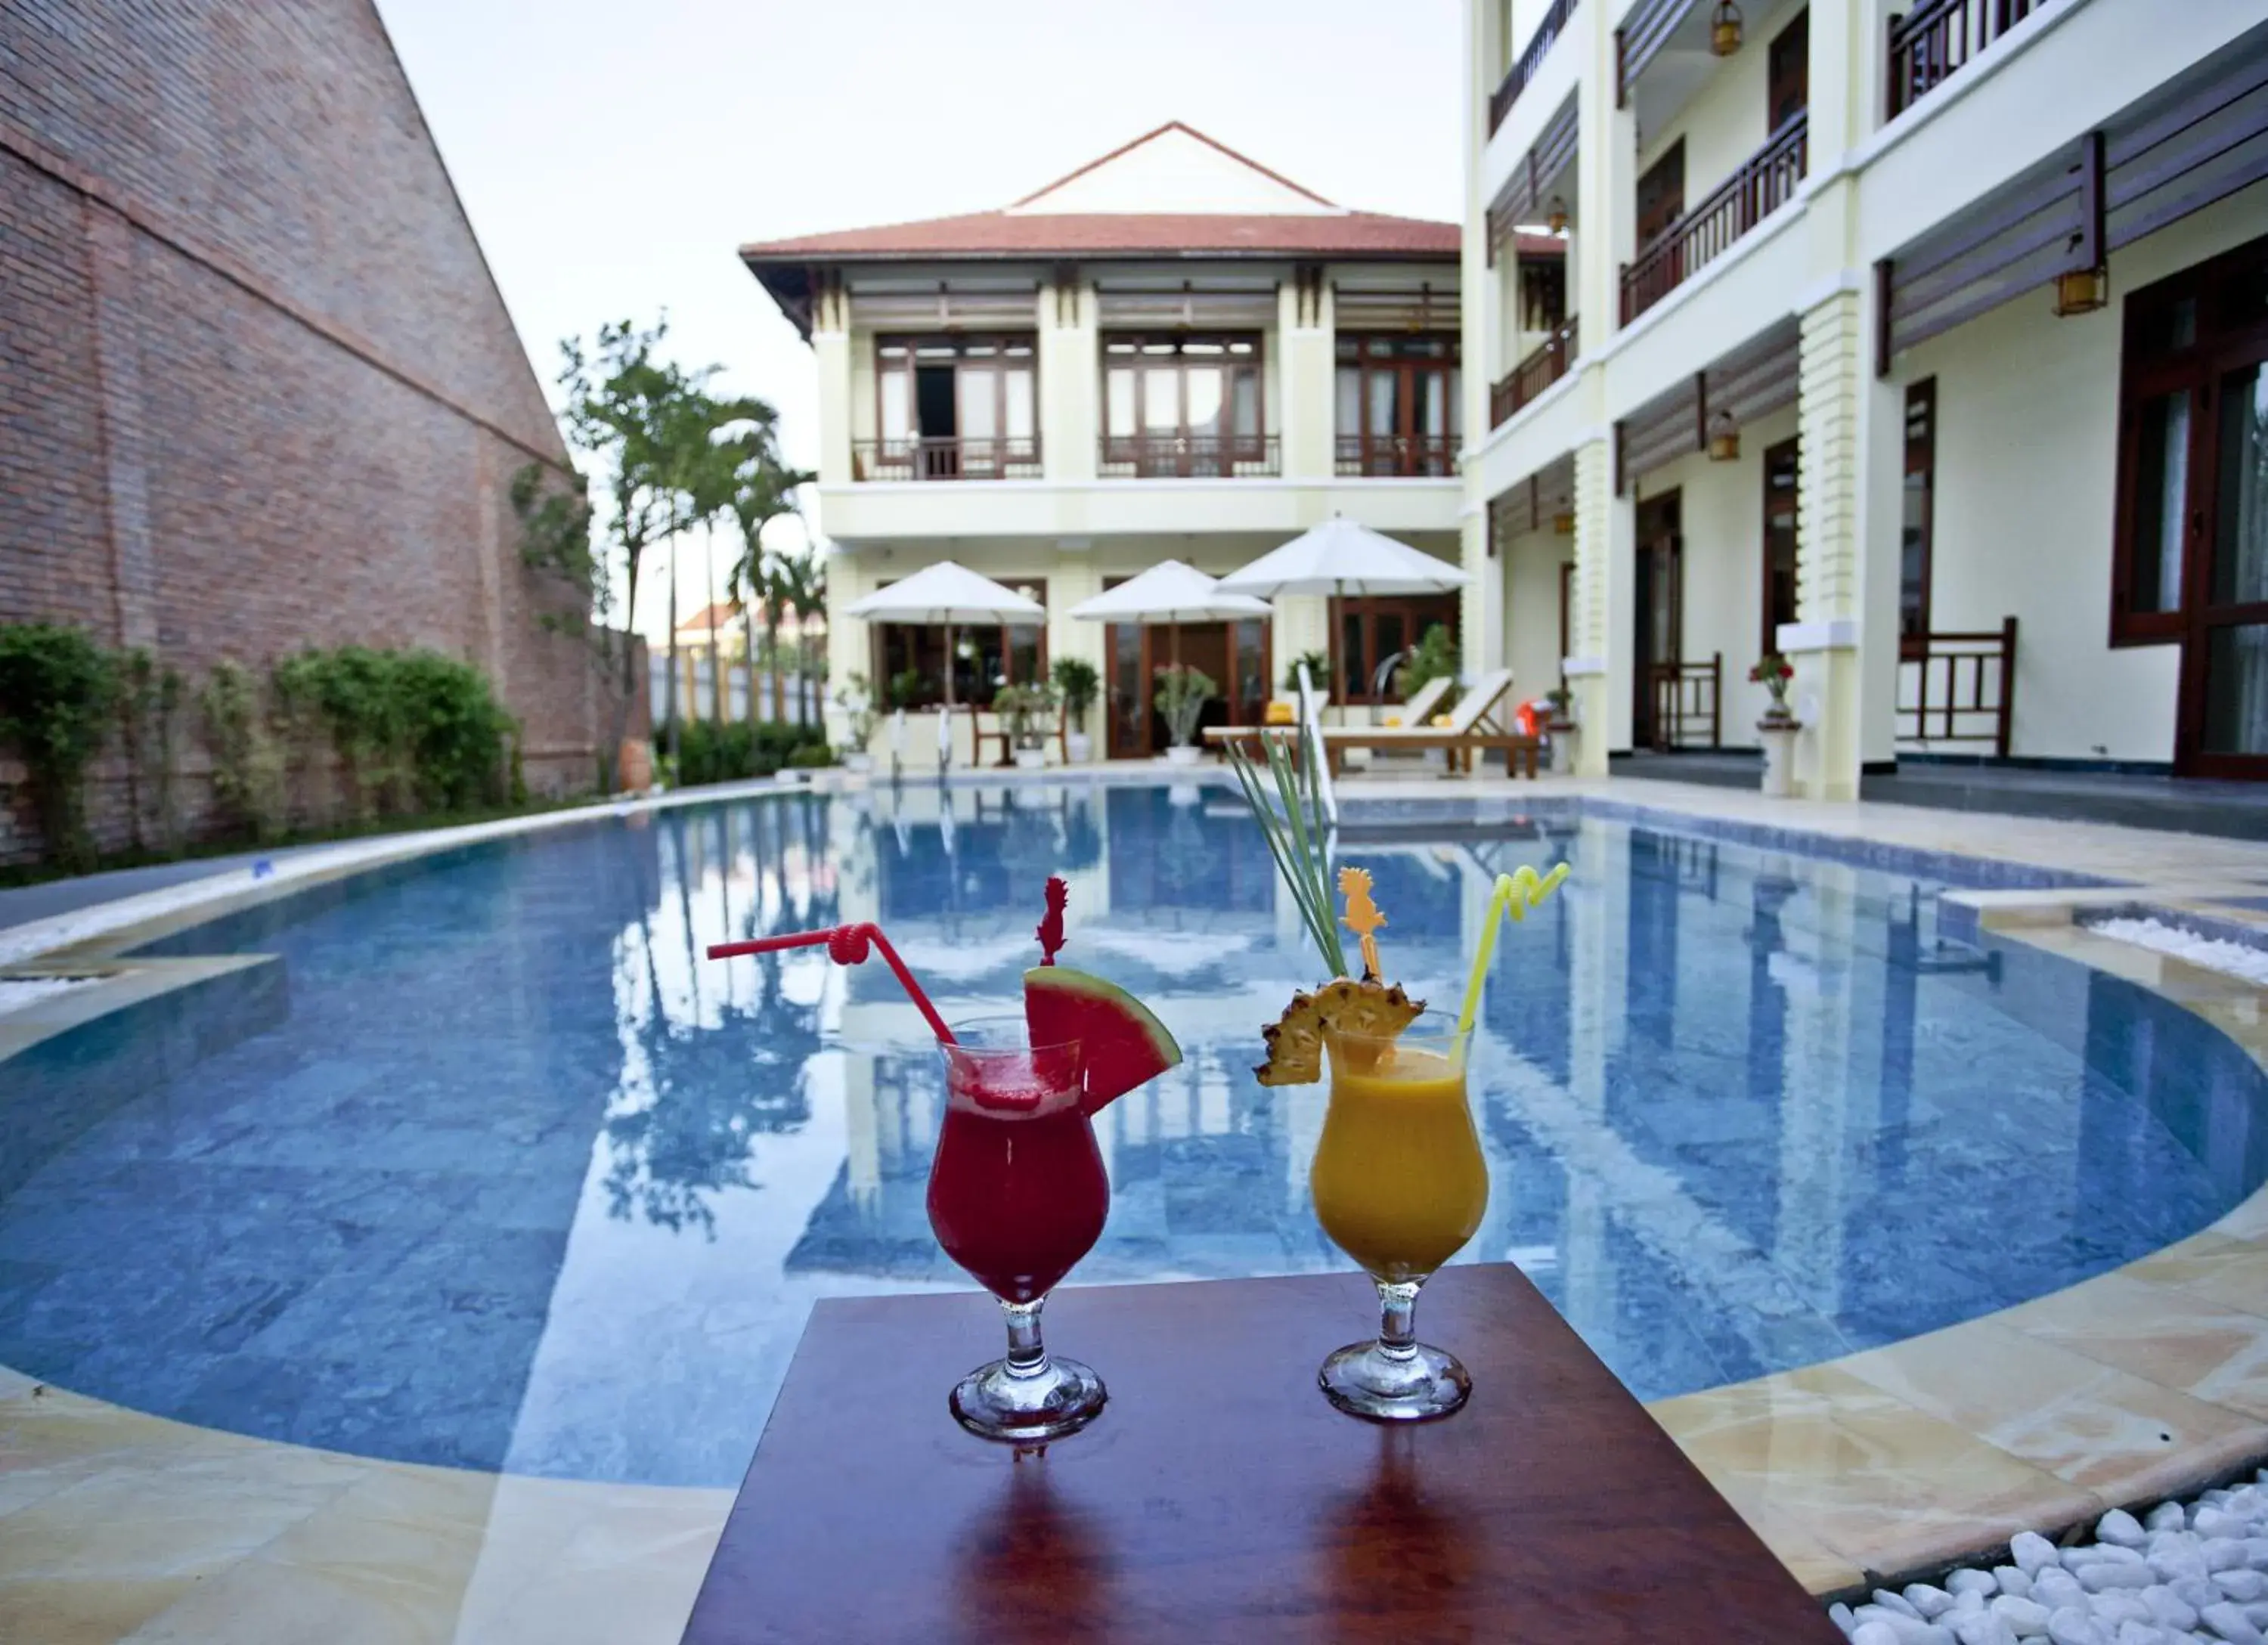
[{"x": 1400, "y": 1186}]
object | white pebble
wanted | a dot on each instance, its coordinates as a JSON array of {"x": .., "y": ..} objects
[
  {"x": 2223, "y": 1553},
  {"x": 2255, "y": 1552},
  {"x": 2166, "y": 1516},
  {"x": 2258, "y": 1614},
  {"x": 2112, "y": 1608},
  {"x": 2230, "y": 1621},
  {"x": 2072, "y": 1626},
  {"x": 1839, "y": 1614},
  {"x": 1984, "y": 1629},
  {"x": 2219, "y": 1521},
  {"x": 2197, "y": 1591},
  {"x": 1874, "y": 1633},
  {"x": 2242, "y": 1585},
  {"x": 1899, "y": 1603},
  {"x": 2170, "y": 1608},
  {"x": 2106, "y": 1575},
  {"x": 2055, "y": 1587},
  {"x": 2140, "y": 1634},
  {"x": 1931, "y": 1602},
  {"x": 1970, "y": 1581},
  {"x": 2174, "y": 1563},
  {"x": 2120, "y": 1527},
  {"x": 2031, "y": 1551},
  {"x": 2016, "y": 1581},
  {"x": 1971, "y": 1599},
  {"x": 2027, "y": 1618}
]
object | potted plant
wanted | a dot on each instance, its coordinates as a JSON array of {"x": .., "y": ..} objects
[
  {"x": 1078, "y": 684},
  {"x": 855, "y": 698},
  {"x": 1778, "y": 726},
  {"x": 1432, "y": 658},
  {"x": 1318, "y": 665},
  {"x": 1021, "y": 706},
  {"x": 1180, "y": 695},
  {"x": 1559, "y": 726}
]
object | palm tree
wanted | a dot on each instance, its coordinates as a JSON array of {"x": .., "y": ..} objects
[
  {"x": 764, "y": 490},
  {"x": 802, "y": 589}
]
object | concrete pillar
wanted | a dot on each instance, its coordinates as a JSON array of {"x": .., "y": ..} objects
[
  {"x": 1069, "y": 379},
  {"x": 1845, "y": 645},
  {"x": 1305, "y": 395},
  {"x": 1481, "y": 645},
  {"x": 830, "y": 351},
  {"x": 1605, "y": 233},
  {"x": 1599, "y": 672}
]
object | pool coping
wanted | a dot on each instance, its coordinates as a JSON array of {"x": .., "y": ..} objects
[{"x": 2141, "y": 1382}]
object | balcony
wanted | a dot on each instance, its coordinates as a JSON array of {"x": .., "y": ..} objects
[
  {"x": 1397, "y": 456},
  {"x": 1765, "y": 182},
  {"x": 947, "y": 458},
  {"x": 1523, "y": 71},
  {"x": 1189, "y": 457},
  {"x": 1544, "y": 366},
  {"x": 1935, "y": 40}
]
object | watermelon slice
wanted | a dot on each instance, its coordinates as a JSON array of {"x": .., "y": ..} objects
[{"x": 1122, "y": 1044}]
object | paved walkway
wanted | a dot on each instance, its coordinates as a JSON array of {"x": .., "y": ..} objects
[{"x": 22, "y": 904}]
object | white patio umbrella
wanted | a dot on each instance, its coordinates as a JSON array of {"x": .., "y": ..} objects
[
  {"x": 1172, "y": 593},
  {"x": 950, "y": 593},
  {"x": 1341, "y": 558}
]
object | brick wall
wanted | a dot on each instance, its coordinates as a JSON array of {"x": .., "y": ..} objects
[{"x": 257, "y": 388}]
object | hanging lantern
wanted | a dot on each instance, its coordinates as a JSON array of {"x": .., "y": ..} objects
[
  {"x": 1724, "y": 438},
  {"x": 1724, "y": 29},
  {"x": 2081, "y": 291},
  {"x": 1556, "y": 215},
  {"x": 1562, "y": 523}
]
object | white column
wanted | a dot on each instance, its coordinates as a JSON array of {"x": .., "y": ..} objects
[
  {"x": 1070, "y": 381},
  {"x": 1306, "y": 326},
  {"x": 1602, "y": 609},
  {"x": 830, "y": 350},
  {"x": 1481, "y": 612}
]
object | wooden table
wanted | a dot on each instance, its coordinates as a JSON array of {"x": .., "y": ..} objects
[{"x": 1218, "y": 1498}]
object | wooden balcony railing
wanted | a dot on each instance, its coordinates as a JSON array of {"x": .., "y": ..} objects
[
  {"x": 1935, "y": 40},
  {"x": 1685, "y": 704},
  {"x": 1189, "y": 456},
  {"x": 946, "y": 458},
  {"x": 1545, "y": 364},
  {"x": 1403, "y": 456},
  {"x": 1959, "y": 688},
  {"x": 1765, "y": 182},
  {"x": 1531, "y": 59}
]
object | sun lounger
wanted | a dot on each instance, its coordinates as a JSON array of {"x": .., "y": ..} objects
[
  {"x": 1417, "y": 711},
  {"x": 1480, "y": 723}
]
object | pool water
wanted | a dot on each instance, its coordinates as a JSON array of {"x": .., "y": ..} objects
[{"x": 484, "y": 1167}]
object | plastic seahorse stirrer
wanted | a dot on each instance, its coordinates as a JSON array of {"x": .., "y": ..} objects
[{"x": 1362, "y": 918}]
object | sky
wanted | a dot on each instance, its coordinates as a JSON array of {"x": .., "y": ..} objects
[{"x": 613, "y": 156}]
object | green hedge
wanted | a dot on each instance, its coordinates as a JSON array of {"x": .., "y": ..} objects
[{"x": 732, "y": 751}]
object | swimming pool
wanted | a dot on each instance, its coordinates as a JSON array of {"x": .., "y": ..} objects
[{"x": 485, "y": 1168}]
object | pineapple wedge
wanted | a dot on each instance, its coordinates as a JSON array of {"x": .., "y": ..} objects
[{"x": 1295, "y": 1040}]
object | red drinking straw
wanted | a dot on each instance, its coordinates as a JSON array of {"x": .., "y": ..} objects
[{"x": 846, "y": 945}]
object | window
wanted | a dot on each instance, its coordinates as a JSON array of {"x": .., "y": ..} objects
[
  {"x": 1661, "y": 195},
  {"x": 1397, "y": 404},
  {"x": 1182, "y": 404},
  {"x": 954, "y": 405},
  {"x": 1919, "y": 508},
  {"x": 1374, "y": 633},
  {"x": 1543, "y": 294},
  {"x": 1780, "y": 603},
  {"x": 1788, "y": 85},
  {"x": 986, "y": 656}
]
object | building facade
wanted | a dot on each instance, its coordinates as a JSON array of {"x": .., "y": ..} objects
[
  {"x": 1172, "y": 353},
  {"x": 261, "y": 392},
  {"x": 1922, "y": 345}
]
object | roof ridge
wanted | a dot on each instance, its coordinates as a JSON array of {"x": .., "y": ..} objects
[{"x": 1187, "y": 129}]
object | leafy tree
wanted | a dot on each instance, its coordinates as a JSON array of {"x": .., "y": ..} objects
[
  {"x": 801, "y": 586},
  {"x": 763, "y": 489},
  {"x": 57, "y": 689}
]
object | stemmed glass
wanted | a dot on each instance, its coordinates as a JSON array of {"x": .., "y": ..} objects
[
  {"x": 1016, "y": 1195},
  {"x": 1400, "y": 1186}
]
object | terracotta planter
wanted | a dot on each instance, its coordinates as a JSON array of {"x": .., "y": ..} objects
[{"x": 634, "y": 765}]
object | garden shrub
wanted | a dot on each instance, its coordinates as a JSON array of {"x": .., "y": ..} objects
[
  {"x": 738, "y": 749},
  {"x": 57, "y": 688},
  {"x": 247, "y": 762},
  {"x": 811, "y": 757},
  {"x": 413, "y": 729}
]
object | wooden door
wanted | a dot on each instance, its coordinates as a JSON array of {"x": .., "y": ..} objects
[
  {"x": 1126, "y": 691},
  {"x": 1659, "y": 612},
  {"x": 2222, "y": 725}
]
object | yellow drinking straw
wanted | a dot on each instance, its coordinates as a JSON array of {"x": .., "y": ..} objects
[{"x": 1515, "y": 894}]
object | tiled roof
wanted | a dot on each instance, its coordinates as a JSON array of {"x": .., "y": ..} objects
[{"x": 1196, "y": 234}]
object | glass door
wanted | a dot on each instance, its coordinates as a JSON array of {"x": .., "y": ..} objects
[
  {"x": 2224, "y": 717},
  {"x": 1661, "y": 624}
]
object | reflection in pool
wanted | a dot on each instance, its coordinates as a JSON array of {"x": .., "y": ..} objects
[{"x": 490, "y": 1171}]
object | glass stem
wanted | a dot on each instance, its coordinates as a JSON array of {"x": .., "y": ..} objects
[
  {"x": 1028, "y": 1355},
  {"x": 1397, "y": 1314}
]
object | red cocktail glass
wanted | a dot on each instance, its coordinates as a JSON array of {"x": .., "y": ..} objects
[{"x": 1016, "y": 1195}]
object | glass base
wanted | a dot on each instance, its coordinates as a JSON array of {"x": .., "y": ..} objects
[
  {"x": 1061, "y": 1397},
  {"x": 1364, "y": 1380}
]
